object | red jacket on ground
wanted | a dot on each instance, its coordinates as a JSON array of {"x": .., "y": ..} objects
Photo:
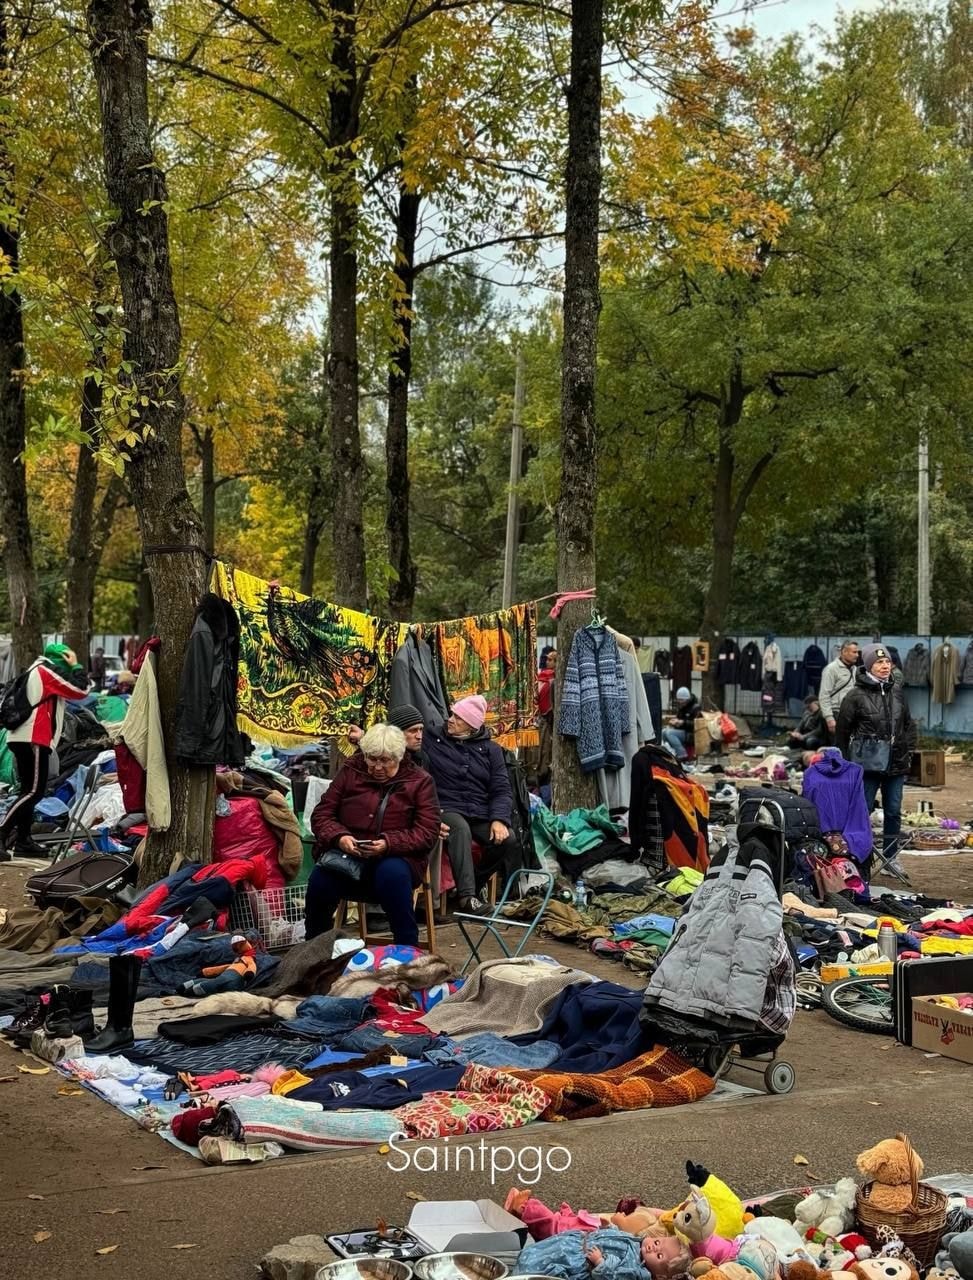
[{"x": 410, "y": 824}]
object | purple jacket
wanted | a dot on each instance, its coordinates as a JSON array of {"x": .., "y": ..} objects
[{"x": 836, "y": 788}]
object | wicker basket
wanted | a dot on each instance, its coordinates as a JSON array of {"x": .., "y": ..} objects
[{"x": 919, "y": 1226}]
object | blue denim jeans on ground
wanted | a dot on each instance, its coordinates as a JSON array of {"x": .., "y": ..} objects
[
  {"x": 387, "y": 881},
  {"x": 675, "y": 740},
  {"x": 230, "y": 980},
  {"x": 891, "y": 788}
]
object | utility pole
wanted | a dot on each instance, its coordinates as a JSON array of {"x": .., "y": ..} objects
[
  {"x": 923, "y": 622},
  {"x": 513, "y": 493}
]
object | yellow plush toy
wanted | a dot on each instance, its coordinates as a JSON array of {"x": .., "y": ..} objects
[{"x": 725, "y": 1203}]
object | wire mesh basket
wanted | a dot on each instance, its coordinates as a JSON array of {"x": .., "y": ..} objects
[{"x": 277, "y": 915}]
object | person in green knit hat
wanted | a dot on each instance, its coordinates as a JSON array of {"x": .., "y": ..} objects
[{"x": 54, "y": 679}]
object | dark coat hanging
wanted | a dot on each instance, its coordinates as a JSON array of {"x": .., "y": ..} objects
[{"x": 206, "y": 714}]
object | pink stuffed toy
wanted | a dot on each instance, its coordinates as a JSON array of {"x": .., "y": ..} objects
[{"x": 543, "y": 1222}]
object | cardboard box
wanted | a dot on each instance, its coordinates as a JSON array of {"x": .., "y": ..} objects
[
  {"x": 438, "y": 1222},
  {"x": 928, "y": 769},
  {"x": 938, "y": 1029},
  {"x": 870, "y": 969}
]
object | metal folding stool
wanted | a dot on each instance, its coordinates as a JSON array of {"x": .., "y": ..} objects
[{"x": 493, "y": 923}]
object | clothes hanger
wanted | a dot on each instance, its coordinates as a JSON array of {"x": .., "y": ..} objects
[{"x": 596, "y": 618}]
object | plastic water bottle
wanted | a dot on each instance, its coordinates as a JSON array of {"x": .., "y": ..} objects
[
  {"x": 887, "y": 943},
  {"x": 580, "y": 895}
]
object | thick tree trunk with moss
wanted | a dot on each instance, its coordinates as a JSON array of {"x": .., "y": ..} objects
[
  {"x": 582, "y": 304},
  {"x": 18, "y": 550},
  {"x": 347, "y": 461},
  {"x": 402, "y": 590},
  {"x": 138, "y": 241}
]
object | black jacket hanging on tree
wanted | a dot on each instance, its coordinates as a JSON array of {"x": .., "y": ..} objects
[{"x": 206, "y": 727}]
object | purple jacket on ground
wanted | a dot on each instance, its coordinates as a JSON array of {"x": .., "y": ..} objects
[{"x": 836, "y": 787}]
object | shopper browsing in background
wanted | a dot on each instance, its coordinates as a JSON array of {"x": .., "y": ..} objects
[
  {"x": 811, "y": 732},
  {"x": 98, "y": 669},
  {"x": 680, "y": 727},
  {"x": 876, "y": 730},
  {"x": 52, "y": 680},
  {"x": 837, "y": 681}
]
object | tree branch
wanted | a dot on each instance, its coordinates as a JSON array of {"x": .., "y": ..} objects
[
  {"x": 746, "y": 492},
  {"x": 517, "y": 238}
]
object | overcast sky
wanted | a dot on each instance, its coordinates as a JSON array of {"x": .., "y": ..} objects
[{"x": 776, "y": 19}]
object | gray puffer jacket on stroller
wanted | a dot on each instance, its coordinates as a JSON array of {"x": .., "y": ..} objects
[{"x": 718, "y": 964}]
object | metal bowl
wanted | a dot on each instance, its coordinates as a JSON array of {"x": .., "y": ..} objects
[
  {"x": 365, "y": 1267},
  {"x": 459, "y": 1266}
]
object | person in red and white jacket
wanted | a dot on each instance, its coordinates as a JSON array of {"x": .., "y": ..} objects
[{"x": 50, "y": 683}]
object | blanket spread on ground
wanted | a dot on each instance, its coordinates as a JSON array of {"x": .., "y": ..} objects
[
  {"x": 659, "y": 1078},
  {"x": 510, "y": 997}
]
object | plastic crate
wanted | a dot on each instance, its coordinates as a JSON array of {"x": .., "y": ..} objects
[{"x": 276, "y": 915}]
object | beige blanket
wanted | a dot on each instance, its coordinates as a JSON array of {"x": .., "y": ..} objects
[{"x": 510, "y": 997}]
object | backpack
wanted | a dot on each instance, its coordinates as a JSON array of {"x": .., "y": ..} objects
[{"x": 15, "y": 706}]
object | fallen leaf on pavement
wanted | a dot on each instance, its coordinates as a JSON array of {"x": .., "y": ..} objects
[
  {"x": 801, "y": 1160},
  {"x": 109, "y": 1248},
  {"x": 67, "y": 1091},
  {"x": 41, "y": 1236},
  {"x": 108, "y": 1212},
  {"x": 140, "y": 1168},
  {"x": 34, "y": 1071},
  {"x": 874, "y": 1104},
  {"x": 413, "y": 1195},
  {"x": 184, "y": 1246},
  {"x": 924, "y": 1073},
  {"x": 8, "y": 1079},
  {"x": 35, "y": 1197},
  {"x": 384, "y": 1149}
]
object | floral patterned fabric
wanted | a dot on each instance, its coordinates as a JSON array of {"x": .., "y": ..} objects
[{"x": 486, "y": 1101}]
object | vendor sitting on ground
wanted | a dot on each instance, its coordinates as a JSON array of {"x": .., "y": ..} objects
[
  {"x": 680, "y": 728},
  {"x": 381, "y": 813},
  {"x": 812, "y": 732},
  {"x": 236, "y": 975},
  {"x": 471, "y": 779}
]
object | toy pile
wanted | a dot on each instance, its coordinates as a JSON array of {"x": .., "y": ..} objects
[{"x": 891, "y": 1227}]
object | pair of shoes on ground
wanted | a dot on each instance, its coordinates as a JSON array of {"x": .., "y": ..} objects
[
  {"x": 28, "y": 848},
  {"x": 475, "y": 907}
]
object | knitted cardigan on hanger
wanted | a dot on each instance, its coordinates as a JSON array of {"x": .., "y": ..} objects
[{"x": 594, "y": 700}]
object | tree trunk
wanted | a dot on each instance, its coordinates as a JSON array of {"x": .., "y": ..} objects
[
  {"x": 717, "y": 600},
  {"x": 582, "y": 303},
  {"x": 138, "y": 240},
  {"x": 402, "y": 590},
  {"x": 315, "y": 516},
  {"x": 18, "y": 551},
  {"x": 144, "y": 608},
  {"x": 89, "y": 527},
  {"x": 347, "y": 462},
  {"x": 207, "y": 455}
]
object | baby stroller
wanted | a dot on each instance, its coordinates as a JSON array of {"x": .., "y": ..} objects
[{"x": 750, "y": 1043}]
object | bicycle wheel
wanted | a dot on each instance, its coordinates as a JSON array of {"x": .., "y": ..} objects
[{"x": 862, "y": 1003}]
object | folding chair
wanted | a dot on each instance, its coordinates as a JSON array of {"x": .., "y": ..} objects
[
  {"x": 885, "y": 864},
  {"x": 60, "y": 842},
  {"x": 493, "y": 923}
]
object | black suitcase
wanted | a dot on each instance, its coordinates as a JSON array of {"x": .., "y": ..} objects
[
  {"x": 84, "y": 875},
  {"x": 930, "y": 976}
]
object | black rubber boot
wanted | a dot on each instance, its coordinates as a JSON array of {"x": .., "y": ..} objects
[
  {"x": 82, "y": 1018},
  {"x": 57, "y": 1023},
  {"x": 117, "y": 1034}
]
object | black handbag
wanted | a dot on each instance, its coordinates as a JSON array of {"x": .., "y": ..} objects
[
  {"x": 347, "y": 863},
  {"x": 873, "y": 754}
]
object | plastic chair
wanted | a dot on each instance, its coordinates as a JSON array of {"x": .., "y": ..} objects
[
  {"x": 428, "y": 892},
  {"x": 493, "y": 923}
]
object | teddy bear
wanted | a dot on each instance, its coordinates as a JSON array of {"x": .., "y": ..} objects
[
  {"x": 869, "y": 1269},
  {"x": 887, "y": 1166},
  {"x": 831, "y": 1212}
]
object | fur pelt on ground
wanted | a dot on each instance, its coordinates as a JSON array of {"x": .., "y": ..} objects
[
  {"x": 248, "y": 1004},
  {"x": 425, "y": 971},
  {"x": 308, "y": 969}
]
